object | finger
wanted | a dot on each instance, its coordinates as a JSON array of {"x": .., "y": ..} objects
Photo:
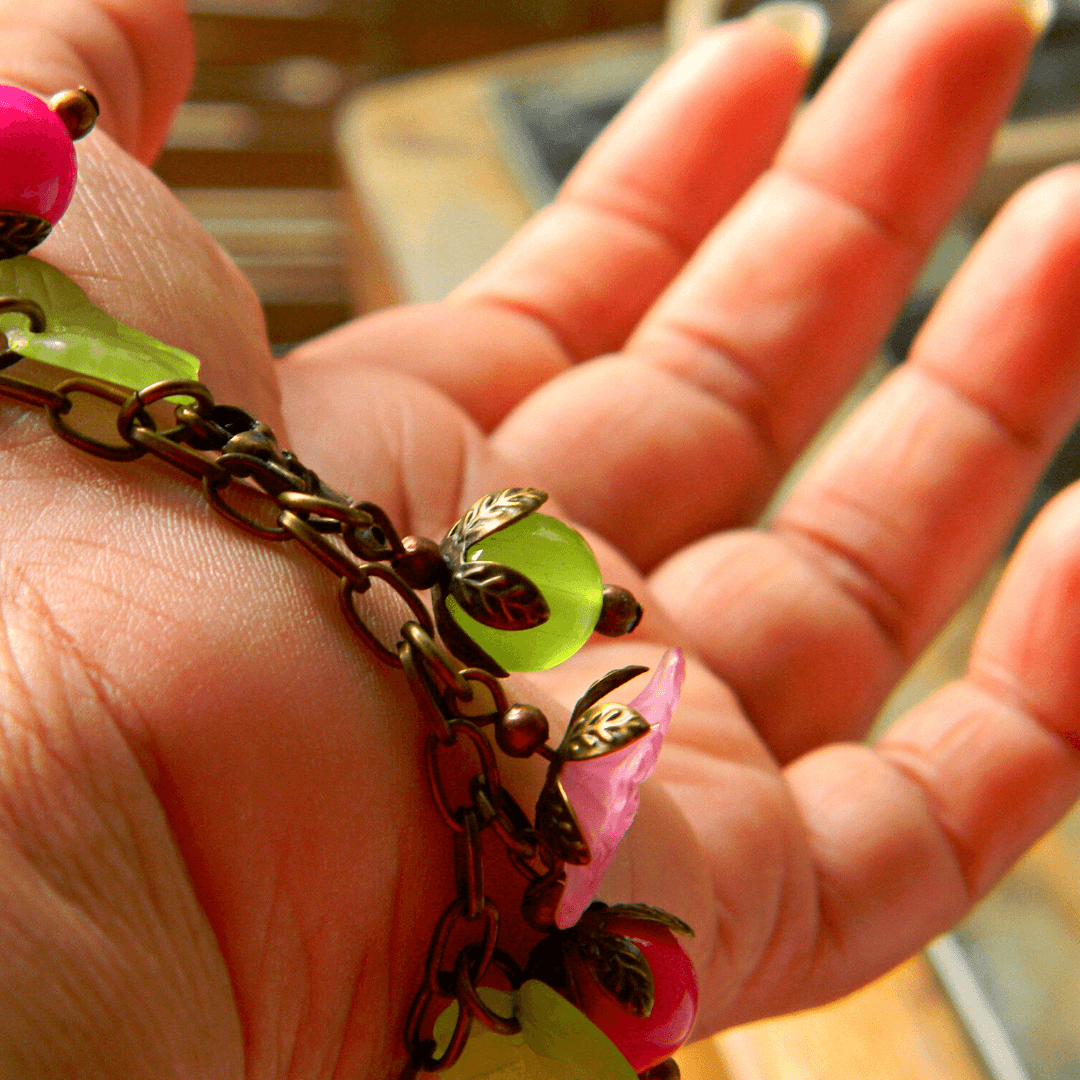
[
  {"x": 574, "y": 282},
  {"x": 895, "y": 522},
  {"x": 137, "y": 56},
  {"x": 125, "y": 240},
  {"x": 753, "y": 345},
  {"x": 908, "y": 836}
]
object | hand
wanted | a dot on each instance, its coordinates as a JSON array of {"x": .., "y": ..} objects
[{"x": 218, "y": 854}]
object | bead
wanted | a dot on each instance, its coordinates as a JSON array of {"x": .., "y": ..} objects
[
  {"x": 78, "y": 109},
  {"x": 562, "y": 566},
  {"x": 521, "y": 730},
  {"x": 620, "y": 613},
  {"x": 37, "y": 158},
  {"x": 421, "y": 564},
  {"x": 648, "y": 1040}
]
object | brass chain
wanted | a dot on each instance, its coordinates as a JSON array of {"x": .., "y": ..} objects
[{"x": 266, "y": 491}]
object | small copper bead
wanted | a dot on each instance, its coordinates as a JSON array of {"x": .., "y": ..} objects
[
  {"x": 78, "y": 109},
  {"x": 421, "y": 564},
  {"x": 521, "y": 730},
  {"x": 620, "y": 614},
  {"x": 541, "y": 899}
]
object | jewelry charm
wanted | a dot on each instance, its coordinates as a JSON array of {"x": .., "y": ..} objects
[{"x": 59, "y": 326}]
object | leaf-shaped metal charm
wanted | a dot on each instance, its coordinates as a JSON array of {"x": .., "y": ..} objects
[
  {"x": 620, "y": 967},
  {"x": 600, "y": 730},
  {"x": 646, "y": 913},
  {"x": 604, "y": 686},
  {"x": 457, "y": 641},
  {"x": 488, "y": 515},
  {"x": 498, "y": 596},
  {"x": 557, "y": 825}
]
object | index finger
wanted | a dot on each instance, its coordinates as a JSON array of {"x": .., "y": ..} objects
[{"x": 574, "y": 282}]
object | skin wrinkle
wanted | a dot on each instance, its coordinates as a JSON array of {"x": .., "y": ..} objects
[
  {"x": 734, "y": 965},
  {"x": 1029, "y": 441},
  {"x": 640, "y": 221},
  {"x": 892, "y": 233},
  {"x": 783, "y": 936},
  {"x": 79, "y": 913},
  {"x": 535, "y": 314},
  {"x": 1009, "y": 690},
  {"x": 778, "y": 429},
  {"x": 44, "y": 745},
  {"x": 135, "y": 731},
  {"x": 906, "y": 764},
  {"x": 884, "y": 607},
  {"x": 553, "y": 321},
  {"x": 911, "y": 246},
  {"x": 480, "y": 301},
  {"x": 832, "y": 949},
  {"x": 757, "y": 402}
]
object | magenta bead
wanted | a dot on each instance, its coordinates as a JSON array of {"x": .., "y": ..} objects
[{"x": 37, "y": 157}]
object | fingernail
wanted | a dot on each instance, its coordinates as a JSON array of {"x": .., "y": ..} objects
[
  {"x": 1040, "y": 13},
  {"x": 807, "y": 25}
]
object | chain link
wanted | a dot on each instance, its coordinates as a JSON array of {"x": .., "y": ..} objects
[{"x": 227, "y": 450}]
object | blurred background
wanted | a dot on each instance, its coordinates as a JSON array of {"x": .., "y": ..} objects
[{"x": 352, "y": 154}]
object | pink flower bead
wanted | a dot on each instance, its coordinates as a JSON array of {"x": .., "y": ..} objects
[
  {"x": 37, "y": 157},
  {"x": 603, "y": 791}
]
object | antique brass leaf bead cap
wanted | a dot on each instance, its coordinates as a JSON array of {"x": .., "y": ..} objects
[{"x": 523, "y": 590}]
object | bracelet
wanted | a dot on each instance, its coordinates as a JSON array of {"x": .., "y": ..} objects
[{"x": 509, "y": 588}]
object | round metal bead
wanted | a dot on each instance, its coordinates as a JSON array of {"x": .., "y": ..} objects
[
  {"x": 422, "y": 563},
  {"x": 78, "y": 109},
  {"x": 620, "y": 612},
  {"x": 521, "y": 730}
]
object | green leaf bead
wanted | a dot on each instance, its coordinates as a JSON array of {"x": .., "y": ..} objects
[
  {"x": 562, "y": 566},
  {"x": 80, "y": 337},
  {"x": 557, "y": 1041}
]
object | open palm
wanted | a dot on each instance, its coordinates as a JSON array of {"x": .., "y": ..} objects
[{"x": 217, "y": 853}]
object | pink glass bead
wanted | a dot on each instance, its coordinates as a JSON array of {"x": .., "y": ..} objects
[
  {"x": 37, "y": 157},
  {"x": 603, "y": 790}
]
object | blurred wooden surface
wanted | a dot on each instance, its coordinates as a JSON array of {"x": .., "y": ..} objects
[{"x": 898, "y": 1027}]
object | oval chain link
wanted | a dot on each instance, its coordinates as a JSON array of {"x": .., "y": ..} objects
[
  {"x": 347, "y": 591},
  {"x": 105, "y": 392}
]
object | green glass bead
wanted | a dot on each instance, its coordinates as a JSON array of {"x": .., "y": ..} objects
[{"x": 559, "y": 562}]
